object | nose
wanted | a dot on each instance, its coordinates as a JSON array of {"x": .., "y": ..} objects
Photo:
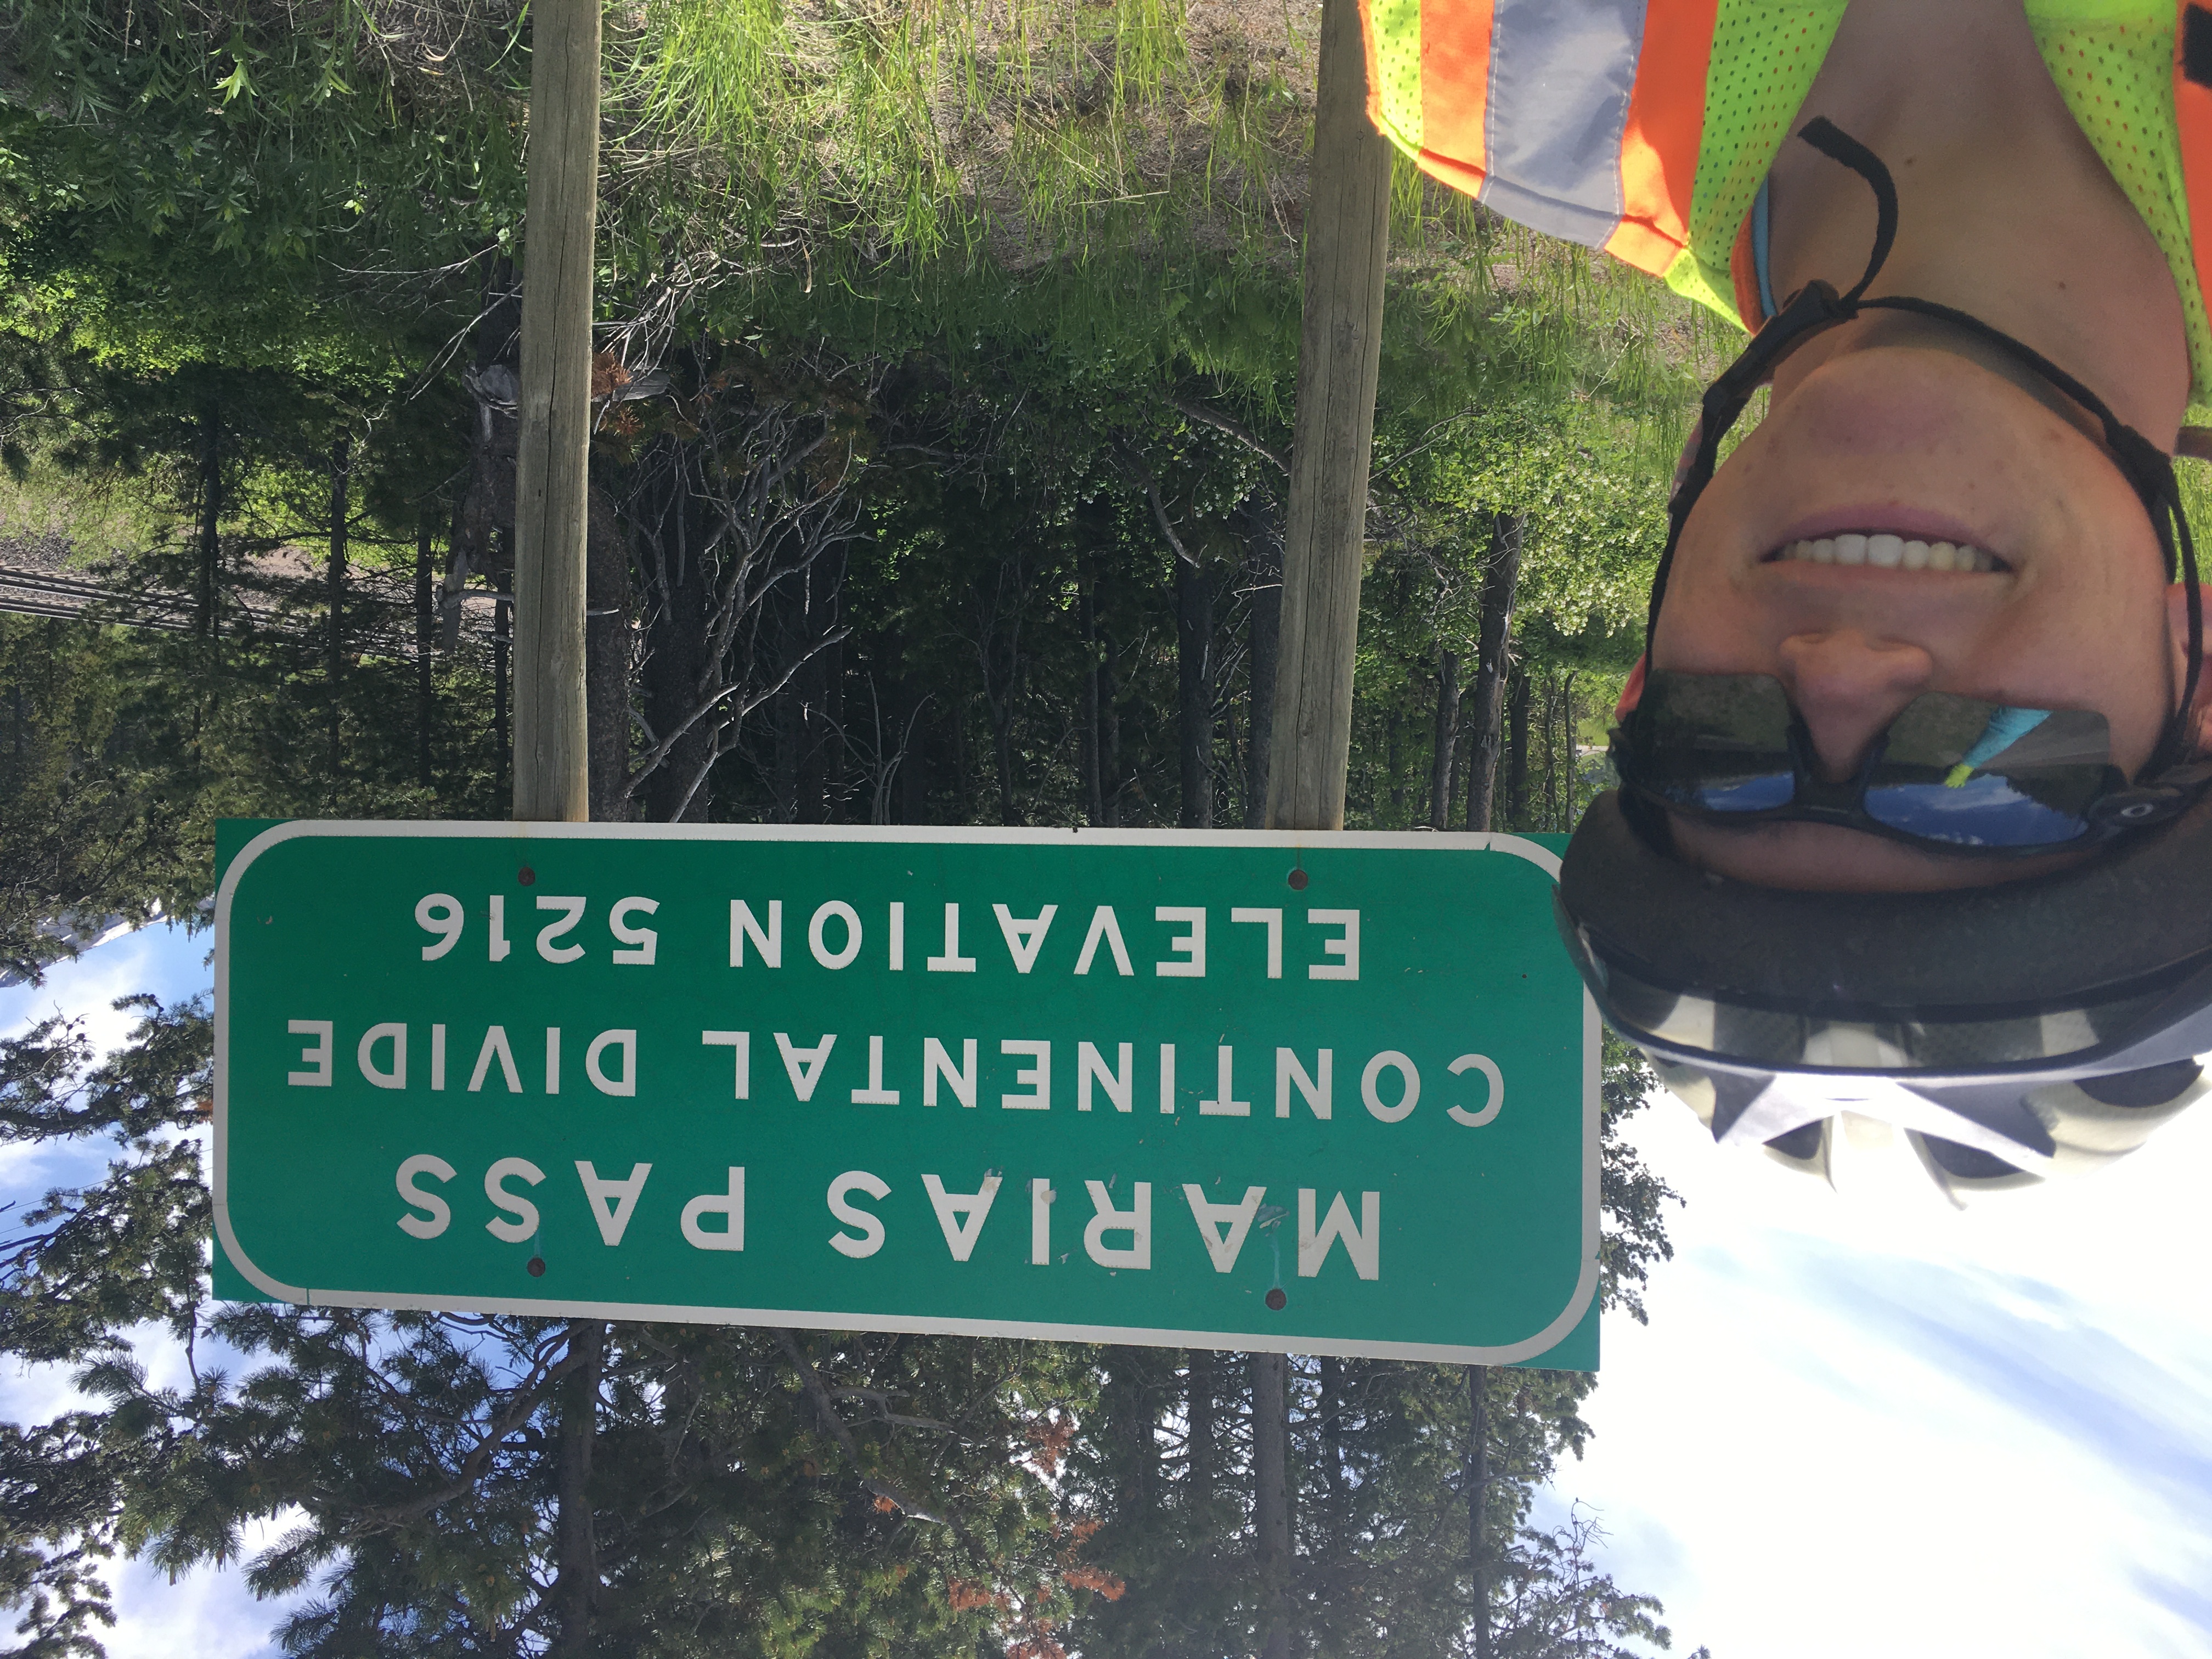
[{"x": 1849, "y": 687}]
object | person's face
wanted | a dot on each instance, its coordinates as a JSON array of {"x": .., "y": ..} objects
[{"x": 1887, "y": 427}]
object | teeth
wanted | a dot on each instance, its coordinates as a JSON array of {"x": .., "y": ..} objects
[{"x": 1888, "y": 551}]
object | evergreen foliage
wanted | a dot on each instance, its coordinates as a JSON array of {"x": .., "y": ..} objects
[{"x": 950, "y": 358}]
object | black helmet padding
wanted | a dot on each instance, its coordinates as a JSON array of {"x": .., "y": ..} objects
[
  {"x": 2067, "y": 972},
  {"x": 2139, "y": 914}
]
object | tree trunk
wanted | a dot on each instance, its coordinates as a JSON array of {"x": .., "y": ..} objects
[
  {"x": 1110, "y": 711},
  {"x": 210, "y": 511},
  {"x": 1271, "y": 1498},
  {"x": 552, "y": 779},
  {"x": 1000, "y": 655},
  {"x": 820, "y": 683},
  {"x": 1393, "y": 759},
  {"x": 1548, "y": 724},
  {"x": 1440, "y": 759},
  {"x": 1501, "y": 580},
  {"x": 1332, "y": 1440},
  {"x": 483, "y": 539},
  {"x": 1199, "y": 1420},
  {"x": 425, "y": 642},
  {"x": 1133, "y": 1421},
  {"x": 1266, "y": 569},
  {"x": 341, "y": 476},
  {"x": 914, "y": 771},
  {"x": 1340, "y": 354},
  {"x": 1002, "y": 750},
  {"x": 1516, "y": 748},
  {"x": 576, "y": 1591},
  {"x": 607, "y": 658},
  {"x": 1567, "y": 749},
  {"x": 1195, "y": 674},
  {"x": 1094, "y": 675},
  {"x": 502, "y": 636},
  {"x": 1461, "y": 745},
  {"x": 1477, "y": 1487},
  {"x": 676, "y": 665}
]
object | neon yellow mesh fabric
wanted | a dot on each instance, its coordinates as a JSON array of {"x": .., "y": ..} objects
[
  {"x": 2111, "y": 60},
  {"x": 1396, "y": 31},
  {"x": 1765, "y": 57}
]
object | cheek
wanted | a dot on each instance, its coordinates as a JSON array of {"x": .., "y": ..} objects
[
  {"x": 2089, "y": 638},
  {"x": 1711, "y": 629},
  {"x": 1708, "y": 623}
]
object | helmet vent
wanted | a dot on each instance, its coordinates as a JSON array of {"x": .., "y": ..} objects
[
  {"x": 1966, "y": 1163},
  {"x": 2154, "y": 1086}
]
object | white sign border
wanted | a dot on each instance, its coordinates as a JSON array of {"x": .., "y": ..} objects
[{"x": 1578, "y": 1301}]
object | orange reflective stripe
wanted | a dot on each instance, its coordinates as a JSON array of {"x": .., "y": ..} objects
[
  {"x": 2192, "y": 117},
  {"x": 1445, "y": 170},
  {"x": 1743, "y": 271},
  {"x": 1454, "y": 90},
  {"x": 1665, "y": 128}
]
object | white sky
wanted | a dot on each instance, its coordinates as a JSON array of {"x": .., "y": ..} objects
[
  {"x": 1916, "y": 1433},
  {"x": 1897, "y": 1432}
]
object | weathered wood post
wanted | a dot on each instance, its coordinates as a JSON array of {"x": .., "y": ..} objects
[
  {"x": 552, "y": 749},
  {"x": 1478, "y": 1498},
  {"x": 1271, "y": 1499},
  {"x": 1339, "y": 356},
  {"x": 551, "y": 776}
]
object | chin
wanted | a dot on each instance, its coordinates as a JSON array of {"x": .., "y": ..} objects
[{"x": 1825, "y": 858}]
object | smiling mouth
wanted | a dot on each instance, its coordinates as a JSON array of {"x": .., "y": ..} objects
[{"x": 1886, "y": 551}]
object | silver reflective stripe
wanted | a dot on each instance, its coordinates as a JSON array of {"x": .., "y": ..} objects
[
  {"x": 1567, "y": 221},
  {"x": 1560, "y": 75}
]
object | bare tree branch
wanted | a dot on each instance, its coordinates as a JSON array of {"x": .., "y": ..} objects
[
  {"x": 818, "y": 1394},
  {"x": 1235, "y": 428}
]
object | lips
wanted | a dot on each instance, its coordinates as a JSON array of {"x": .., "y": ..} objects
[{"x": 1888, "y": 551}]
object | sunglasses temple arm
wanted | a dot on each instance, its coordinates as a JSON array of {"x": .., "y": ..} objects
[{"x": 2180, "y": 737}]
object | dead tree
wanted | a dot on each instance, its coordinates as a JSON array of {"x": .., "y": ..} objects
[{"x": 724, "y": 522}]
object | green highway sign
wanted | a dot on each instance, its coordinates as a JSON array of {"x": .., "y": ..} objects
[{"x": 1325, "y": 1094}]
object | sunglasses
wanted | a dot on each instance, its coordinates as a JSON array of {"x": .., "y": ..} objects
[{"x": 1949, "y": 772}]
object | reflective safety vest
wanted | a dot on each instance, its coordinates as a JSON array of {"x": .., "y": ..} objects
[{"x": 1645, "y": 127}]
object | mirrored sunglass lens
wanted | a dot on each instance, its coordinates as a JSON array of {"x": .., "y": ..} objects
[
  {"x": 1986, "y": 809},
  {"x": 1760, "y": 792},
  {"x": 1977, "y": 774},
  {"x": 1946, "y": 734},
  {"x": 1717, "y": 742}
]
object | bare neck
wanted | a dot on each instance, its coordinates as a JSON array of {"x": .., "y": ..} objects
[{"x": 2005, "y": 210}]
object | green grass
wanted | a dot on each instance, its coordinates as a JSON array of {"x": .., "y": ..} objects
[{"x": 97, "y": 515}]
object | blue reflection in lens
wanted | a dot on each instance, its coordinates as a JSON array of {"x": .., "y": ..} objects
[
  {"x": 1741, "y": 794},
  {"x": 1984, "y": 811},
  {"x": 2007, "y": 726}
]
